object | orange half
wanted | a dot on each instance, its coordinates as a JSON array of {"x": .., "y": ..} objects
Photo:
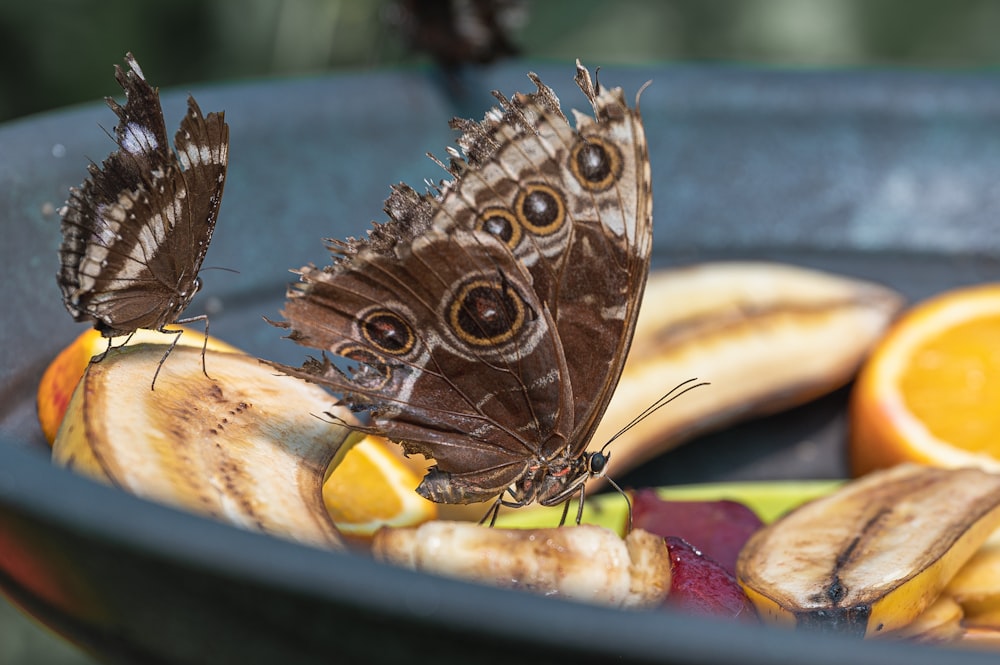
[{"x": 930, "y": 391}]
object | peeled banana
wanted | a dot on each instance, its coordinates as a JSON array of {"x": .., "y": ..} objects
[
  {"x": 871, "y": 557},
  {"x": 766, "y": 336},
  {"x": 585, "y": 563},
  {"x": 244, "y": 446}
]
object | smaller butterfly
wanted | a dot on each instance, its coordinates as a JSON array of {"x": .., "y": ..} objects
[{"x": 135, "y": 233}]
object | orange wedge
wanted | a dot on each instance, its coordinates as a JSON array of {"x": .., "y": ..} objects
[
  {"x": 64, "y": 372},
  {"x": 369, "y": 486},
  {"x": 930, "y": 391}
]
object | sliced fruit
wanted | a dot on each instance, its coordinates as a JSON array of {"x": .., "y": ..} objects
[
  {"x": 64, "y": 372},
  {"x": 929, "y": 391},
  {"x": 368, "y": 487},
  {"x": 719, "y": 528},
  {"x": 870, "y": 557},
  {"x": 584, "y": 563},
  {"x": 244, "y": 447},
  {"x": 766, "y": 337},
  {"x": 701, "y": 585}
]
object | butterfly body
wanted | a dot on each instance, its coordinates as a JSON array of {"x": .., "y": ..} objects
[
  {"x": 488, "y": 322},
  {"x": 136, "y": 231}
]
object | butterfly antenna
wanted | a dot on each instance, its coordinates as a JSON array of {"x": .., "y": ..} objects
[
  {"x": 680, "y": 389},
  {"x": 224, "y": 268}
]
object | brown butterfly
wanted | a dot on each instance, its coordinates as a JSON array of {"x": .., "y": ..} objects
[
  {"x": 136, "y": 231},
  {"x": 487, "y": 323}
]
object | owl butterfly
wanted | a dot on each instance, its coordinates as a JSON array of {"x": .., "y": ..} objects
[
  {"x": 135, "y": 233},
  {"x": 486, "y": 324}
]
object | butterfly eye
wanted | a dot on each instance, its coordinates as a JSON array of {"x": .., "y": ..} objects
[
  {"x": 540, "y": 209},
  {"x": 486, "y": 312},
  {"x": 387, "y": 332},
  {"x": 597, "y": 464},
  {"x": 502, "y": 223},
  {"x": 595, "y": 163}
]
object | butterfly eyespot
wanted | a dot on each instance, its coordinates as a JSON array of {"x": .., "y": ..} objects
[
  {"x": 501, "y": 223},
  {"x": 372, "y": 371},
  {"x": 387, "y": 332},
  {"x": 595, "y": 163},
  {"x": 540, "y": 209},
  {"x": 486, "y": 312}
]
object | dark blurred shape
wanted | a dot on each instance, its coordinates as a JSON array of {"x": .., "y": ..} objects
[{"x": 457, "y": 32}]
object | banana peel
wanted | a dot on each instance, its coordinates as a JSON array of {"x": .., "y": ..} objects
[
  {"x": 244, "y": 446},
  {"x": 871, "y": 557},
  {"x": 940, "y": 623}
]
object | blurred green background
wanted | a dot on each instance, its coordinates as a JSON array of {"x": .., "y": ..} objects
[{"x": 60, "y": 52}]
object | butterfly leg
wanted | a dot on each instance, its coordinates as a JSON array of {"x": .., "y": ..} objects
[
  {"x": 204, "y": 345},
  {"x": 177, "y": 335},
  {"x": 101, "y": 356},
  {"x": 579, "y": 510},
  {"x": 493, "y": 512},
  {"x": 565, "y": 512}
]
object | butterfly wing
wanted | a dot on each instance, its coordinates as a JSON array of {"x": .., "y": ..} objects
[
  {"x": 455, "y": 356},
  {"x": 135, "y": 233},
  {"x": 519, "y": 240},
  {"x": 575, "y": 207}
]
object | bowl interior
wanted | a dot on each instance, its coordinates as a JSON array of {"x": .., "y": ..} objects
[{"x": 882, "y": 175}]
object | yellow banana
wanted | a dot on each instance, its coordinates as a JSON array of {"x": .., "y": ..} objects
[
  {"x": 244, "y": 446},
  {"x": 940, "y": 623},
  {"x": 976, "y": 587},
  {"x": 871, "y": 557}
]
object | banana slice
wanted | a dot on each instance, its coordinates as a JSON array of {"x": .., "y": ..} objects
[
  {"x": 869, "y": 558},
  {"x": 766, "y": 336},
  {"x": 245, "y": 446},
  {"x": 586, "y": 563}
]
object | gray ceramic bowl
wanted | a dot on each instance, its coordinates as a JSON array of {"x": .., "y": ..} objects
[{"x": 890, "y": 176}]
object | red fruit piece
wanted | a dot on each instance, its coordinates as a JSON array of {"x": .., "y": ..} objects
[
  {"x": 717, "y": 528},
  {"x": 702, "y": 586}
]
